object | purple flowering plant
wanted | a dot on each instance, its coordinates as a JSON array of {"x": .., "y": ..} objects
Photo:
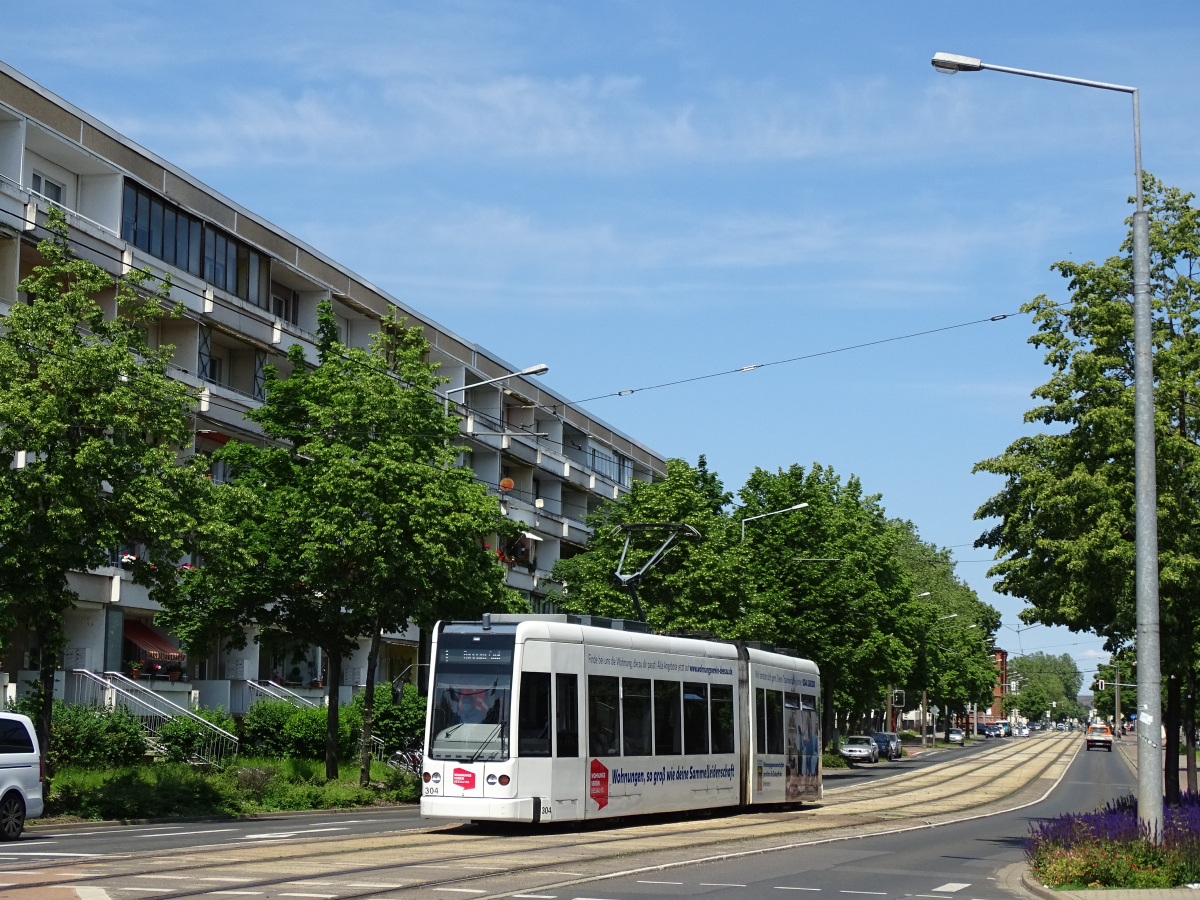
[{"x": 1109, "y": 848}]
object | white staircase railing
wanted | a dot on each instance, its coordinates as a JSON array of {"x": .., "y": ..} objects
[
  {"x": 152, "y": 709},
  {"x": 270, "y": 690}
]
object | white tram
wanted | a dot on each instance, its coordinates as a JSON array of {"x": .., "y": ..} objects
[{"x": 549, "y": 718}]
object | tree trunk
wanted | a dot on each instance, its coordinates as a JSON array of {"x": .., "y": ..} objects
[
  {"x": 334, "y": 658},
  {"x": 46, "y": 706},
  {"x": 364, "y": 777},
  {"x": 1171, "y": 757},
  {"x": 1189, "y": 724}
]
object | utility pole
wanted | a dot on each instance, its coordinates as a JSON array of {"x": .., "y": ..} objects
[
  {"x": 1117, "y": 688},
  {"x": 923, "y": 717}
]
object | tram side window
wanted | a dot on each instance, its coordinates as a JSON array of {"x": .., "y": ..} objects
[
  {"x": 760, "y": 720},
  {"x": 604, "y": 715},
  {"x": 721, "y": 717},
  {"x": 668, "y": 730},
  {"x": 566, "y": 714},
  {"x": 775, "y": 721},
  {"x": 695, "y": 718},
  {"x": 635, "y": 704},
  {"x": 808, "y": 701},
  {"x": 790, "y": 700},
  {"x": 533, "y": 734}
]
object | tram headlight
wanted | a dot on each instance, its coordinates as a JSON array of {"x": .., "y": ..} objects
[
  {"x": 504, "y": 779},
  {"x": 491, "y": 779},
  {"x": 437, "y": 777}
]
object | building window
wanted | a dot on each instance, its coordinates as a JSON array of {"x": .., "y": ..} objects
[
  {"x": 51, "y": 190},
  {"x": 181, "y": 240},
  {"x": 285, "y": 303}
]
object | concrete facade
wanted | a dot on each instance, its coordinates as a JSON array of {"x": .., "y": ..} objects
[{"x": 249, "y": 290}]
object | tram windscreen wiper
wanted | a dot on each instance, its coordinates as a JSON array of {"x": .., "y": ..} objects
[{"x": 485, "y": 742}]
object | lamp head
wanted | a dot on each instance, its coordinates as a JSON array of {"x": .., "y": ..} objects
[
  {"x": 950, "y": 63},
  {"x": 539, "y": 369},
  {"x": 800, "y": 506}
]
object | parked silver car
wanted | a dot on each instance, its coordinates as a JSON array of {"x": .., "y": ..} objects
[
  {"x": 20, "y": 775},
  {"x": 859, "y": 748}
]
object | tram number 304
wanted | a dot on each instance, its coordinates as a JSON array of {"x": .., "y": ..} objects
[
  {"x": 431, "y": 791},
  {"x": 545, "y": 810}
]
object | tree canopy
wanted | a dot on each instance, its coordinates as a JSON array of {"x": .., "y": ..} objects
[
  {"x": 354, "y": 520},
  {"x": 90, "y": 432}
]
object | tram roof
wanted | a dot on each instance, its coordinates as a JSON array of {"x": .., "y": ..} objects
[{"x": 560, "y": 628}]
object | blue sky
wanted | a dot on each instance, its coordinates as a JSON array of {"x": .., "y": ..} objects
[{"x": 639, "y": 192}]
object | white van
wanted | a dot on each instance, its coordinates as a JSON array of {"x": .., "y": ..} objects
[{"x": 20, "y": 775}]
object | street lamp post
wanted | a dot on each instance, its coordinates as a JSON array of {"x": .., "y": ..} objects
[
  {"x": 764, "y": 515},
  {"x": 1150, "y": 772},
  {"x": 539, "y": 369}
]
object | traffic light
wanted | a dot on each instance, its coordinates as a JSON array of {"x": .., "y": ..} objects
[
  {"x": 1099, "y": 685},
  {"x": 898, "y": 699},
  {"x": 1054, "y": 704}
]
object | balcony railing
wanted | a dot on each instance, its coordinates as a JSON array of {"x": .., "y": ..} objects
[{"x": 16, "y": 189}]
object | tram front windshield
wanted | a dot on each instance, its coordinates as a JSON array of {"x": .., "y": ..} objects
[{"x": 472, "y": 695}]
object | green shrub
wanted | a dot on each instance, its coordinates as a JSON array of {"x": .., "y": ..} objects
[
  {"x": 833, "y": 761},
  {"x": 304, "y": 733},
  {"x": 183, "y": 738},
  {"x": 394, "y": 723},
  {"x": 92, "y": 736},
  {"x": 264, "y": 726}
]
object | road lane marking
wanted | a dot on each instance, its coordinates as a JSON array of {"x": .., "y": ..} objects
[
  {"x": 660, "y": 882},
  {"x": 951, "y": 886},
  {"x": 869, "y": 893},
  {"x": 780, "y": 888},
  {"x": 190, "y": 833},
  {"x": 286, "y": 834},
  {"x": 537, "y": 896},
  {"x": 172, "y": 877},
  {"x": 370, "y": 884},
  {"x": 219, "y": 878},
  {"x": 719, "y": 884}
]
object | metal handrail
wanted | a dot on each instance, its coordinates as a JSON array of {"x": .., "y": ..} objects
[
  {"x": 71, "y": 212},
  {"x": 271, "y": 690},
  {"x": 219, "y": 742}
]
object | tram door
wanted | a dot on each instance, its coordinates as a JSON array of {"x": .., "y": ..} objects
[
  {"x": 569, "y": 790},
  {"x": 535, "y": 725}
]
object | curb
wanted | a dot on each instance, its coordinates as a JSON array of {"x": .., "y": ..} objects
[
  {"x": 101, "y": 824},
  {"x": 1029, "y": 883}
]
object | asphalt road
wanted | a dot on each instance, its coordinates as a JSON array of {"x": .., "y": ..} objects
[
  {"x": 104, "y": 840},
  {"x": 955, "y": 861},
  {"x": 108, "y": 840}
]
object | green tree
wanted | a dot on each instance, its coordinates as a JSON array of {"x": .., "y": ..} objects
[
  {"x": 952, "y": 630},
  {"x": 828, "y": 581},
  {"x": 1031, "y": 702},
  {"x": 353, "y": 521},
  {"x": 1065, "y": 516},
  {"x": 698, "y": 585},
  {"x": 90, "y": 431}
]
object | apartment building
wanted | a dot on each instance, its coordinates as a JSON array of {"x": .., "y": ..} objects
[{"x": 249, "y": 291}]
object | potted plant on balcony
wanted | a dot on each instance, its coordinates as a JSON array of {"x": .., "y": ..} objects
[
  {"x": 174, "y": 673},
  {"x": 135, "y": 669}
]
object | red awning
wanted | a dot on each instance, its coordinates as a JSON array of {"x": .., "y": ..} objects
[{"x": 154, "y": 646}]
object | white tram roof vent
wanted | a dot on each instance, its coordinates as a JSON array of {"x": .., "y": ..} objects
[
  {"x": 760, "y": 645},
  {"x": 517, "y": 618}
]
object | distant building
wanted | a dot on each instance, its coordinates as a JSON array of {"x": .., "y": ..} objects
[{"x": 995, "y": 712}]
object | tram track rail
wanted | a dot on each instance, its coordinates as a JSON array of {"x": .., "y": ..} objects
[{"x": 425, "y": 843}]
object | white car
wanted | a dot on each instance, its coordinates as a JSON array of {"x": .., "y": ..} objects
[
  {"x": 956, "y": 736},
  {"x": 20, "y": 775},
  {"x": 1024, "y": 731}
]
